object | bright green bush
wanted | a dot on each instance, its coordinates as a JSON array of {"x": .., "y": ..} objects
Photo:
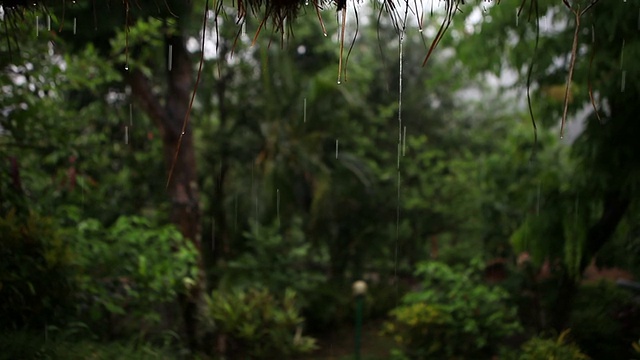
[
  {"x": 538, "y": 348},
  {"x": 258, "y": 325},
  {"x": 130, "y": 269},
  {"x": 455, "y": 316},
  {"x": 36, "y": 282}
]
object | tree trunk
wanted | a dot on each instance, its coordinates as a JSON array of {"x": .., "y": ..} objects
[{"x": 168, "y": 115}]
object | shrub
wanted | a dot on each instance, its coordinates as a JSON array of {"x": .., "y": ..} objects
[
  {"x": 257, "y": 325},
  {"x": 36, "y": 281},
  {"x": 130, "y": 269},
  {"x": 605, "y": 320},
  {"x": 455, "y": 316},
  {"x": 538, "y": 348}
]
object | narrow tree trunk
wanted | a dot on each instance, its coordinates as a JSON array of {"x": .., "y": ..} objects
[{"x": 168, "y": 115}]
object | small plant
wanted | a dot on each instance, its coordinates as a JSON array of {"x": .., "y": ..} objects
[
  {"x": 131, "y": 268},
  {"x": 36, "y": 282},
  {"x": 257, "y": 325},
  {"x": 538, "y": 348},
  {"x": 455, "y": 316}
]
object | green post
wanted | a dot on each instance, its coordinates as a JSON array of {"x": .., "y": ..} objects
[
  {"x": 359, "y": 289},
  {"x": 359, "y": 304}
]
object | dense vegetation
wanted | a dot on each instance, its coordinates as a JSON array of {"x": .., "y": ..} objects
[{"x": 125, "y": 234}]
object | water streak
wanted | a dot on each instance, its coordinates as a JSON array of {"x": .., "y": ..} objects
[
  {"x": 304, "y": 110},
  {"x": 126, "y": 135},
  {"x": 37, "y": 26},
  {"x": 622, "y": 54},
  {"x": 170, "y": 58},
  {"x": 75, "y": 25},
  {"x": 336, "y": 148},
  {"x": 624, "y": 78},
  {"x": 404, "y": 140}
]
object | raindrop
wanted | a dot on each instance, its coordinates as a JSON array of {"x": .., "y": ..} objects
[
  {"x": 517, "y": 17},
  {"x": 126, "y": 67},
  {"x": 126, "y": 135},
  {"x": 404, "y": 139},
  {"x": 244, "y": 27},
  {"x": 182, "y": 133},
  {"x": 400, "y": 71},
  {"x": 339, "y": 82},
  {"x": 336, "y": 148},
  {"x": 37, "y": 26},
  {"x": 622, "y": 54},
  {"x": 75, "y": 23},
  {"x": 593, "y": 34},
  {"x": 278, "y": 204},
  {"x": 130, "y": 114},
  {"x": 48, "y": 22},
  {"x": 304, "y": 110},
  {"x": 170, "y": 57},
  {"x": 624, "y": 78}
]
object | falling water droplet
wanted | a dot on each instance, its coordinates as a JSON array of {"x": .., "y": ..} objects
[
  {"x": 278, "y": 204},
  {"x": 75, "y": 23},
  {"x": 304, "y": 110},
  {"x": 126, "y": 135},
  {"x": 404, "y": 140},
  {"x": 339, "y": 82},
  {"x": 130, "y": 114},
  {"x": 37, "y": 26},
  {"x": 624, "y": 78},
  {"x": 517, "y": 17},
  {"x": 336, "y": 148},
  {"x": 593, "y": 34},
  {"x": 48, "y": 22},
  {"x": 170, "y": 58},
  {"x": 244, "y": 27},
  {"x": 622, "y": 54},
  {"x": 182, "y": 133}
]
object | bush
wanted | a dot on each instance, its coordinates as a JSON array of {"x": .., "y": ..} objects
[
  {"x": 127, "y": 271},
  {"x": 538, "y": 348},
  {"x": 31, "y": 345},
  {"x": 36, "y": 272},
  {"x": 605, "y": 320},
  {"x": 455, "y": 316},
  {"x": 257, "y": 325}
]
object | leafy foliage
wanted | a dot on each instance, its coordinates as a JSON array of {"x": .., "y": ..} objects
[
  {"x": 257, "y": 324},
  {"x": 131, "y": 268},
  {"x": 36, "y": 272},
  {"x": 539, "y": 348},
  {"x": 454, "y": 316}
]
